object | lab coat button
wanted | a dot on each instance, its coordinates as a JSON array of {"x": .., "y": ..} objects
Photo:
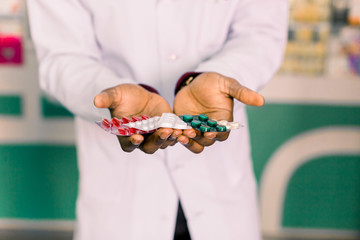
[{"x": 173, "y": 57}]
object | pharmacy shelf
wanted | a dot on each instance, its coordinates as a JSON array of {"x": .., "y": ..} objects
[
  {"x": 329, "y": 90},
  {"x": 31, "y": 126}
]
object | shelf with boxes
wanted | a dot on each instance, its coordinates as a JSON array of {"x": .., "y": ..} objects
[
  {"x": 323, "y": 33},
  {"x": 324, "y": 90},
  {"x": 13, "y": 28}
]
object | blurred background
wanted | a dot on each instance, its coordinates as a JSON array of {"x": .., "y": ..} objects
[{"x": 305, "y": 140}]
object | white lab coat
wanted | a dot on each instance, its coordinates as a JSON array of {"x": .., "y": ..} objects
[{"x": 85, "y": 46}]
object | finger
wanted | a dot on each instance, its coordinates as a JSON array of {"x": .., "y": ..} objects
[
  {"x": 156, "y": 140},
  {"x": 109, "y": 98},
  {"x": 128, "y": 144},
  {"x": 219, "y": 136},
  {"x": 245, "y": 95},
  {"x": 175, "y": 135},
  {"x": 190, "y": 133},
  {"x": 172, "y": 140},
  {"x": 191, "y": 144},
  {"x": 104, "y": 100},
  {"x": 200, "y": 138}
]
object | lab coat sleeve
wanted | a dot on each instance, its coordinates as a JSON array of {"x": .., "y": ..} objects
[
  {"x": 69, "y": 56},
  {"x": 253, "y": 50}
]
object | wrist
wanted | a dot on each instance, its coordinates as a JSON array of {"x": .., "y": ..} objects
[
  {"x": 185, "y": 80},
  {"x": 149, "y": 88}
]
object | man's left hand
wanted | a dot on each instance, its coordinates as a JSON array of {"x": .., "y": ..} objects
[{"x": 212, "y": 94}]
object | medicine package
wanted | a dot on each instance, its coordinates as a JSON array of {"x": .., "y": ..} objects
[{"x": 145, "y": 124}]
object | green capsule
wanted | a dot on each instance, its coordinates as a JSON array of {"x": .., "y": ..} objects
[
  {"x": 203, "y": 117},
  {"x": 204, "y": 128},
  {"x": 212, "y": 129},
  {"x": 195, "y": 124},
  {"x": 212, "y": 123},
  {"x": 187, "y": 118},
  {"x": 220, "y": 128}
]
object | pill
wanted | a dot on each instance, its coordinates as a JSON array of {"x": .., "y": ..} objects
[
  {"x": 234, "y": 125},
  {"x": 187, "y": 118},
  {"x": 135, "y": 118},
  {"x": 126, "y": 120},
  {"x": 223, "y": 122},
  {"x": 144, "y": 117},
  {"x": 212, "y": 123},
  {"x": 220, "y": 128},
  {"x": 123, "y": 131},
  {"x": 141, "y": 132},
  {"x": 116, "y": 122},
  {"x": 195, "y": 123},
  {"x": 106, "y": 123},
  {"x": 204, "y": 128},
  {"x": 203, "y": 117}
]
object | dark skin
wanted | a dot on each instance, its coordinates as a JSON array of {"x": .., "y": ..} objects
[
  {"x": 210, "y": 93},
  {"x": 128, "y": 100}
]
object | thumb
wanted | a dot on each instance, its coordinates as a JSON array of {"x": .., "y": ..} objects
[
  {"x": 104, "y": 100},
  {"x": 245, "y": 95}
]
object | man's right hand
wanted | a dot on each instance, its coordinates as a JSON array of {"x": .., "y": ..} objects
[{"x": 127, "y": 100}]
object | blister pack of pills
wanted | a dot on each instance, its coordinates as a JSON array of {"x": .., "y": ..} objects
[
  {"x": 145, "y": 124},
  {"x": 141, "y": 125},
  {"x": 204, "y": 124},
  {"x": 118, "y": 126}
]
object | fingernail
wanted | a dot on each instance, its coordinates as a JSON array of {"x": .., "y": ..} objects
[
  {"x": 183, "y": 140},
  {"x": 164, "y": 135},
  {"x": 211, "y": 136},
  {"x": 192, "y": 135},
  {"x": 175, "y": 135},
  {"x": 136, "y": 143}
]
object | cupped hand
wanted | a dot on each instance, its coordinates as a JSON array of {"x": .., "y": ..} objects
[
  {"x": 127, "y": 100},
  {"x": 212, "y": 94}
]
